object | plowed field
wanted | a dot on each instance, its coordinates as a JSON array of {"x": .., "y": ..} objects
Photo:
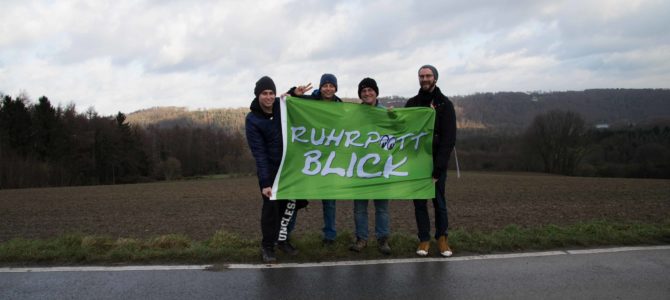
[{"x": 198, "y": 208}]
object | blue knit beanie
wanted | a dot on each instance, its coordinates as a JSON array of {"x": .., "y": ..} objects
[
  {"x": 328, "y": 78},
  {"x": 431, "y": 69}
]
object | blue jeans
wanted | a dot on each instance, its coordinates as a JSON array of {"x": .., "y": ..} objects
[
  {"x": 329, "y": 231},
  {"x": 381, "y": 218},
  {"x": 440, "y": 206}
]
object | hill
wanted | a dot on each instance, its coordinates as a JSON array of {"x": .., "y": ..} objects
[
  {"x": 495, "y": 112},
  {"x": 230, "y": 119},
  {"x": 513, "y": 111}
]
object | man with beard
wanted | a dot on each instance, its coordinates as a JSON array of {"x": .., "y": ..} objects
[{"x": 444, "y": 139}]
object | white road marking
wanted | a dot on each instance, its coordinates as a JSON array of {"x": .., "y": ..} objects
[
  {"x": 619, "y": 249},
  {"x": 325, "y": 264},
  {"x": 103, "y": 269}
]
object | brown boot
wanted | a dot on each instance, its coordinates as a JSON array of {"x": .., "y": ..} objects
[
  {"x": 422, "y": 250},
  {"x": 443, "y": 245}
]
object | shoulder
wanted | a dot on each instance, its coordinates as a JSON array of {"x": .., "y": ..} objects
[
  {"x": 441, "y": 100},
  {"x": 252, "y": 115},
  {"x": 411, "y": 101},
  {"x": 253, "y": 118}
]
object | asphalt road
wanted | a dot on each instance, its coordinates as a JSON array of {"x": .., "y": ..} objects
[{"x": 618, "y": 273}]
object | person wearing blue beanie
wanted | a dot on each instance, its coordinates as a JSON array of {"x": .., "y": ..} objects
[
  {"x": 328, "y": 78},
  {"x": 325, "y": 92}
]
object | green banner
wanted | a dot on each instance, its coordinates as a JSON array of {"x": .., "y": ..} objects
[{"x": 353, "y": 151}]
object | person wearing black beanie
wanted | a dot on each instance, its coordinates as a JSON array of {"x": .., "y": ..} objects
[
  {"x": 263, "y": 132},
  {"x": 265, "y": 83},
  {"x": 368, "y": 92},
  {"x": 444, "y": 140},
  {"x": 371, "y": 95}
]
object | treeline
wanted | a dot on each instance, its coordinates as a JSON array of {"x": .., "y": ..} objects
[
  {"x": 560, "y": 142},
  {"x": 514, "y": 111},
  {"x": 43, "y": 145}
]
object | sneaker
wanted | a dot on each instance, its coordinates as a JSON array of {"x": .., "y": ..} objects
[
  {"x": 383, "y": 246},
  {"x": 268, "y": 255},
  {"x": 422, "y": 250},
  {"x": 328, "y": 242},
  {"x": 443, "y": 245},
  {"x": 359, "y": 245},
  {"x": 287, "y": 248}
]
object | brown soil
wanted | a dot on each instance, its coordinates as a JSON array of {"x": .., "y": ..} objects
[{"x": 482, "y": 201}]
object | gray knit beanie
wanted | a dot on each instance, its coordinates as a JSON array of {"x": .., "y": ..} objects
[{"x": 431, "y": 68}]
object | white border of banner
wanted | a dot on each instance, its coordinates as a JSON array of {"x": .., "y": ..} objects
[{"x": 284, "y": 125}]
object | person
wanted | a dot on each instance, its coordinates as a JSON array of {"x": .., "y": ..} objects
[
  {"x": 368, "y": 92},
  {"x": 444, "y": 140},
  {"x": 325, "y": 92},
  {"x": 263, "y": 131}
]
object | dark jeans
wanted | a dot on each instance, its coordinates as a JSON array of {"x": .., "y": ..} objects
[
  {"x": 329, "y": 231},
  {"x": 440, "y": 205},
  {"x": 271, "y": 218}
]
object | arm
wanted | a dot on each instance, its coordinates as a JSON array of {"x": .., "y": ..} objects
[
  {"x": 258, "y": 149},
  {"x": 299, "y": 91},
  {"x": 447, "y": 138}
]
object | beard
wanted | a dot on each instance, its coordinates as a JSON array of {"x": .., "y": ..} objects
[{"x": 427, "y": 85}]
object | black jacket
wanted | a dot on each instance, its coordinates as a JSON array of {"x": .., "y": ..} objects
[
  {"x": 444, "y": 136},
  {"x": 265, "y": 141}
]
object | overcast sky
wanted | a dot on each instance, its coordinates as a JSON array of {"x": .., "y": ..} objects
[{"x": 129, "y": 55}]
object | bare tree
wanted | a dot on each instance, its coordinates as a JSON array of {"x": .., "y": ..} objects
[{"x": 558, "y": 137}]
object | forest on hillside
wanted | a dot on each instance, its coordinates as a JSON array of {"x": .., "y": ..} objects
[
  {"x": 43, "y": 145},
  {"x": 512, "y": 112},
  {"x": 502, "y": 112}
]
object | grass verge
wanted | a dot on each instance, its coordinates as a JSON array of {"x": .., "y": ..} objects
[{"x": 226, "y": 247}]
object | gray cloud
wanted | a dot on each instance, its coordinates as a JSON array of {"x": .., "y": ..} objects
[{"x": 121, "y": 55}]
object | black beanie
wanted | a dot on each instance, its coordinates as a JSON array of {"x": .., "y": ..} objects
[
  {"x": 432, "y": 69},
  {"x": 265, "y": 83},
  {"x": 367, "y": 82}
]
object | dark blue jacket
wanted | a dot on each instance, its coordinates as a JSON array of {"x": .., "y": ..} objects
[{"x": 265, "y": 141}]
